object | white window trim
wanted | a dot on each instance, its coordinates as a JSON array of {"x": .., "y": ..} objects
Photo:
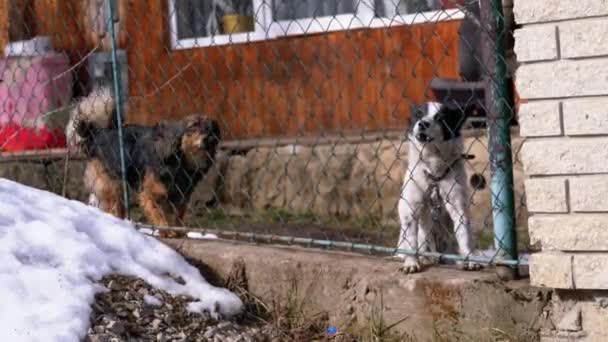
[
  {"x": 258, "y": 34},
  {"x": 267, "y": 29}
]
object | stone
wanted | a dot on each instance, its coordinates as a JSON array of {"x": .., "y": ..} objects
[
  {"x": 299, "y": 186},
  {"x": 589, "y": 193},
  {"x": 390, "y": 170},
  {"x": 210, "y": 332},
  {"x": 224, "y": 325},
  {"x": 591, "y": 270},
  {"x": 267, "y": 172},
  {"x": 538, "y": 11},
  {"x": 571, "y": 321},
  {"x": 114, "y": 286},
  {"x": 330, "y": 172},
  {"x": 555, "y": 156},
  {"x": 539, "y": 118},
  {"x": 99, "y": 338},
  {"x": 586, "y": 116},
  {"x": 234, "y": 187},
  {"x": 584, "y": 38},
  {"x": 207, "y": 189},
  {"x": 156, "y": 323},
  {"x": 574, "y": 232},
  {"x": 536, "y": 43},
  {"x": 563, "y": 78},
  {"x": 546, "y": 195},
  {"x": 115, "y": 327},
  {"x": 553, "y": 270}
]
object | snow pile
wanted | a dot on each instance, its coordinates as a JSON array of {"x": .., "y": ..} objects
[
  {"x": 191, "y": 235},
  {"x": 53, "y": 252}
]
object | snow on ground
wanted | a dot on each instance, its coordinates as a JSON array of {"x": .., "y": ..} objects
[
  {"x": 151, "y": 300},
  {"x": 53, "y": 252},
  {"x": 191, "y": 235},
  {"x": 201, "y": 236}
]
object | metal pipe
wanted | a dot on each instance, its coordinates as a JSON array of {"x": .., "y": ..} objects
[
  {"x": 118, "y": 99},
  {"x": 499, "y": 137},
  {"x": 356, "y": 247}
]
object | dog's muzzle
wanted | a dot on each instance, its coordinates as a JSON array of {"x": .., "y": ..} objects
[{"x": 423, "y": 137}]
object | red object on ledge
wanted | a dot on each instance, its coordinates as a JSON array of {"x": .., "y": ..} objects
[{"x": 15, "y": 138}]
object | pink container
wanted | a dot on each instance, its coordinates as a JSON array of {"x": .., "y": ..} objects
[{"x": 31, "y": 87}]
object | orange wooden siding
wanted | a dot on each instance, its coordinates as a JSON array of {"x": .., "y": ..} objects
[{"x": 345, "y": 81}]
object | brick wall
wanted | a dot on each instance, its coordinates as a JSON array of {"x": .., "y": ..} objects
[{"x": 562, "y": 51}]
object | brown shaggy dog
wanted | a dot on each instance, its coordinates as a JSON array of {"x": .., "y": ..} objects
[{"x": 163, "y": 165}]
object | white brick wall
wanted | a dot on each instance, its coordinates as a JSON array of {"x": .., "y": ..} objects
[
  {"x": 571, "y": 232},
  {"x": 589, "y": 194},
  {"x": 546, "y": 195},
  {"x": 536, "y": 43},
  {"x": 538, "y": 11},
  {"x": 566, "y": 155},
  {"x": 582, "y": 271},
  {"x": 562, "y": 78},
  {"x": 584, "y": 38},
  {"x": 540, "y": 118},
  {"x": 585, "y": 116}
]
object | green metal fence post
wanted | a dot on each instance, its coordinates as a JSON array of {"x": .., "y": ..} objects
[
  {"x": 118, "y": 98},
  {"x": 500, "y": 112}
]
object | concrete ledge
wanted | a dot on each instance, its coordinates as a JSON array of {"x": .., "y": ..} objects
[{"x": 440, "y": 300}]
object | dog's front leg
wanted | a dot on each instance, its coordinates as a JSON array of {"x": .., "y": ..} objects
[
  {"x": 455, "y": 197},
  {"x": 410, "y": 209},
  {"x": 152, "y": 193},
  {"x": 426, "y": 236}
]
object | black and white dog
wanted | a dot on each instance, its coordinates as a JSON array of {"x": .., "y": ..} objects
[{"x": 435, "y": 174}]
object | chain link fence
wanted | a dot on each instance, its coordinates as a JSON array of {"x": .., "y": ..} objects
[{"x": 274, "y": 120}]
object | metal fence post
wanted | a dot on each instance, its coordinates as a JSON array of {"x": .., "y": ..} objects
[
  {"x": 118, "y": 98},
  {"x": 500, "y": 113}
]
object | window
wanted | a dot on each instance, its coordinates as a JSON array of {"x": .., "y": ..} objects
[
  {"x": 214, "y": 22},
  {"x": 391, "y": 8},
  {"x": 302, "y": 9},
  {"x": 196, "y": 23},
  {"x": 418, "y": 11}
]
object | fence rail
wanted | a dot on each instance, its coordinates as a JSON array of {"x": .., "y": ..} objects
[{"x": 316, "y": 128}]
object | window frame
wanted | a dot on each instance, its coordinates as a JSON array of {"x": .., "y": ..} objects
[
  {"x": 259, "y": 32},
  {"x": 267, "y": 29}
]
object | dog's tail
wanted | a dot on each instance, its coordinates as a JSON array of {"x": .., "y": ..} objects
[{"x": 92, "y": 112}]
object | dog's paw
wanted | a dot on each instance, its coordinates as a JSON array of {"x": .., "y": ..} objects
[{"x": 411, "y": 265}]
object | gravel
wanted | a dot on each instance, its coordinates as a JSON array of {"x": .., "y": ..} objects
[{"x": 131, "y": 310}]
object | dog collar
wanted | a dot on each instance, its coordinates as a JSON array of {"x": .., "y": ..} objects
[{"x": 437, "y": 179}]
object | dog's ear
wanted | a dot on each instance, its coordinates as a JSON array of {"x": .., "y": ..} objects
[{"x": 452, "y": 120}]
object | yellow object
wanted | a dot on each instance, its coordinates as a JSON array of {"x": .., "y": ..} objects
[{"x": 236, "y": 23}]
